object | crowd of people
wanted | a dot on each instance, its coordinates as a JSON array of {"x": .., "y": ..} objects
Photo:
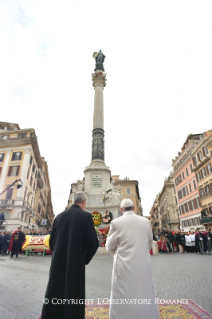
[
  {"x": 11, "y": 241},
  {"x": 180, "y": 241}
]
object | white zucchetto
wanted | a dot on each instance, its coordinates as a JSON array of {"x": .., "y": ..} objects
[{"x": 126, "y": 203}]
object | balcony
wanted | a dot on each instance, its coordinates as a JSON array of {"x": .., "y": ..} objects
[
  {"x": 206, "y": 220},
  {"x": 6, "y": 202}
]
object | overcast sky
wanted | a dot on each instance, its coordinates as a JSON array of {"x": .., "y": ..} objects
[{"x": 159, "y": 79}]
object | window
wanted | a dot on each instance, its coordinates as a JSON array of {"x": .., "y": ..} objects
[
  {"x": 201, "y": 192},
  {"x": 5, "y": 137},
  {"x": 187, "y": 171},
  {"x": 9, "y": 193},
  {"x": 198, "y": 177},
  {"x": 28, "y": 172},
  {"x": 188, "y": 206},
  {"x": 128, "y": 191},
  {"x": 1, "y": 157},
  {"x": 192, "y": 204},
  {"x": 190, "y": 189},
  {"x": 203, "y": 173},
  {"x": 194, "y": 183},
  {"x": 180, "y": 209},
  {"x": 30, "y": 162},
  {"x": 13, "y": 171},
  {"x": 22, "y": 135},
  {"x": 207, "y": 190},
  {"x": 31, "y": 181},
  {"x": 197, "y": 202},
  {"x": 205, "y": 151},
  {"x": 199, "y": 155},
  {"x": 195, "y": 160},
  {"x": 33, "y": 168},
  {"x": 191, "y": 168},
  {"x": 183, "y": 175},
  {"x": 16, "y": 156},
  {"x": 208, "y": 168},
  {"x": 186, "y": 190}
]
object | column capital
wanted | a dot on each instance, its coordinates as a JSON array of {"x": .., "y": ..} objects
[{"x": 99, "y": 79}]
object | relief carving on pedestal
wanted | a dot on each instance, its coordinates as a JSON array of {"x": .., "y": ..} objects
[{"x": 112, "y": 195}]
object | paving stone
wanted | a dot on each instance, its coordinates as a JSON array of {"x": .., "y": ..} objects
[{"x": 23, "y": 281}]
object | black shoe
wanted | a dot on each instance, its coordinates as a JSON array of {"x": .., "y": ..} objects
[
  {"x": 11, "y": 256},
  {"x": 16, "y": 256}
]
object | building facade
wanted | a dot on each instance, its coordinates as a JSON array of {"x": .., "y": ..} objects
[
  {"x": 202, "y": 162},
  {"x": 20, "y": 160},
  {"x": 168, "y": 208},
  {"x": 155, "y": 216},
  {"x": 188, "y": 199},
  {"x": 129, "y": 189}
]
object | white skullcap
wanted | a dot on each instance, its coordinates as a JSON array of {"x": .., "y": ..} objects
[{"x": 126, "y": 203}]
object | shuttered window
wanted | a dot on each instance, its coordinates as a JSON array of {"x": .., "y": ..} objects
[
  {"x": 195, "y": 160},
  {"x": 203, "y": 173},
  {"x": 191, "y": 168},
  {"x": 187, "y": 171},
  {"x": 198, "y": 177},
  {"x": 205, "y": 151},
  {"x": 208, "y": 167},
  {"x": 201, "y": 192},
  {"x": 194, "y": 183},
  {"x": 183, "y": 175},
  {"x": 9, "y": 193},
  {"x": 190, "y": 187},
  {"x": 14, "y": 170},
  {"x": 207, "y": 190}
]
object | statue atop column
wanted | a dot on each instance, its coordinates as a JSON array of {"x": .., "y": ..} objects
[{"x": 99, "y": 57}]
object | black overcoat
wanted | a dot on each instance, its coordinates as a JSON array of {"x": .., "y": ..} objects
[{"x": 73, "y": 242}]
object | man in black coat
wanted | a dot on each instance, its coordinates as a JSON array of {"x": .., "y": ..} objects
[
  {"x": 73, "y": 242},
  {"x": 16, "y": 242}
]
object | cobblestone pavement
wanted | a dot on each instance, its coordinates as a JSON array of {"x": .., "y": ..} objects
[{"x": 23, "y": 281}]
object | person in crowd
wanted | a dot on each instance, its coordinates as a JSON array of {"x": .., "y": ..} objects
[
  {"x": 177, "y": 240},
  {"x": 49, "y": 231},
  {"x": 171, "y": 240},
  {"x": 132, "y": 276},
  {"x": 16, "y": 242},
  {"x": 168, "y": 237},
  {"x": 32, "y": 233},
  {"x": 208, "y": 243},
  {"x": 1, "y": 242},
  {"x": 45, "y": 232},
  {"x": 192, "y": 235},
  {"x": 73, "y": 242},
  {"x": 197, "y": 249},
  {"x": 188, "y": 242},
  {"x": 4, "y": 245},
  {"x": 200, "y": 242},
  {"x": 2, "y": 218},
  {"x": 8, "y": 237},
  {"x": 182, "y": 242}
]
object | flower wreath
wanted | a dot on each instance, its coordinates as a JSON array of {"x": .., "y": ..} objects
[
  {"x": 107, "y": 217},
  {"x": 97, "y": 218}
]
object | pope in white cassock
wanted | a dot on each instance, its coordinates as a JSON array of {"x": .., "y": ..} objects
[{"x": 133, "y": 290}]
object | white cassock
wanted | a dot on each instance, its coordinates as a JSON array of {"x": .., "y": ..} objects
[
  {"x": 188, "y": 240},
  {"x": 129, "y": 241},
  {"x": 192, "y": 239}
]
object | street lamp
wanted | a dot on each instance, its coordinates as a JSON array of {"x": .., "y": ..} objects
[{"x": 20, "y": 184}]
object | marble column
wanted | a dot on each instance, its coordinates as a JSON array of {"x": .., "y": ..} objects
[{"x": 99, "y": 79}]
